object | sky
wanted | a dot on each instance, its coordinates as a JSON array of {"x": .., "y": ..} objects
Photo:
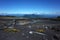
[{"x": 30, "y": 6}]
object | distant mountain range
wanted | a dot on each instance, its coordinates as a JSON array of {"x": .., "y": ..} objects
[{"x": 31, "y": 15}]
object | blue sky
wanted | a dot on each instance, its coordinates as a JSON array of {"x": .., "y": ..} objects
[{"x": 30, "y": 6}]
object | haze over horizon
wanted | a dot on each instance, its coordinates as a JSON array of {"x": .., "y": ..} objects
[{"x": 50, "y": 7}]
